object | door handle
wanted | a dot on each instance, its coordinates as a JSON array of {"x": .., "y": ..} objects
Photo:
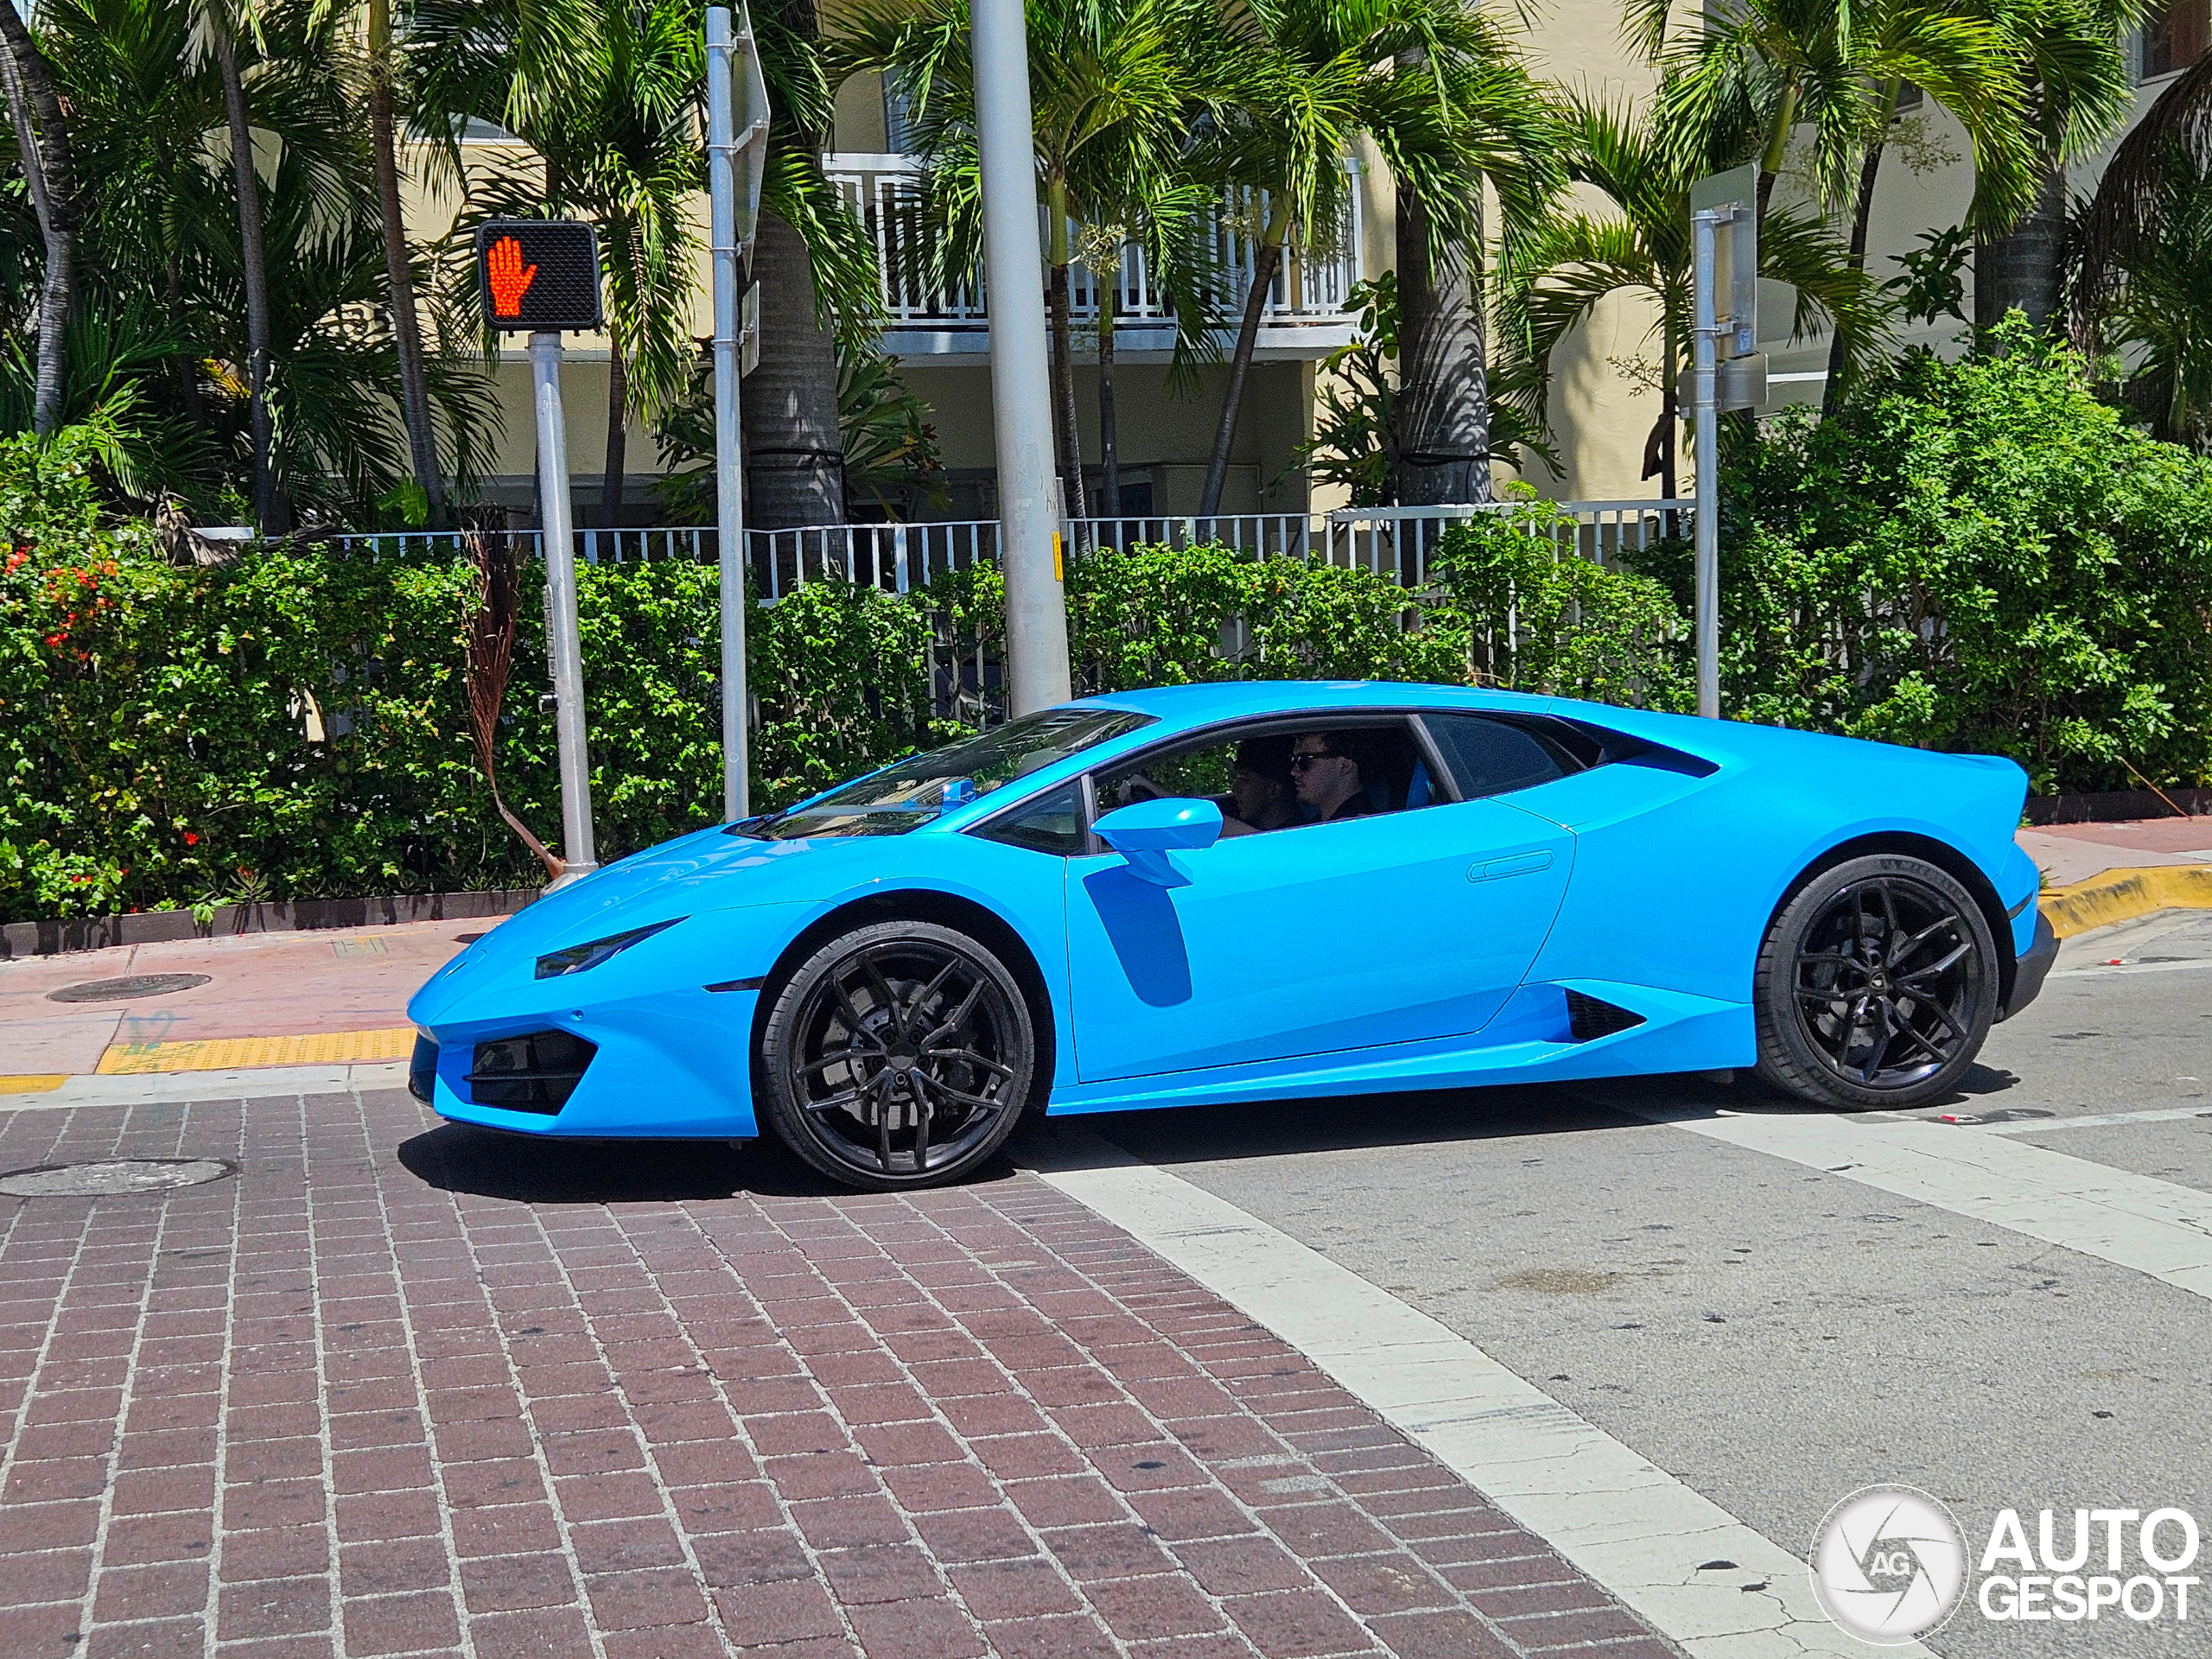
[{"x": 1496, "y": 869}]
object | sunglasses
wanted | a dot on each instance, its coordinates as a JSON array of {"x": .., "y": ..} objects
[{"x": 1305, "y": 757}]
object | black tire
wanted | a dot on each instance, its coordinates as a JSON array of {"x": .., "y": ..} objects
[
  {"x": 1875, "y": 985},
  {"x": 897, "y": 1056}
]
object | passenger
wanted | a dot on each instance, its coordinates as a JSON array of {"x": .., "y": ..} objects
[
  {"x": 1325, "y": 765},
  {"x": 1260, "y": 794}
]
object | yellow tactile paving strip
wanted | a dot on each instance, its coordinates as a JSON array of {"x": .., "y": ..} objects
[
  {"x": 34, "y": 1083},
  {"x": 231, "y": 1054}
]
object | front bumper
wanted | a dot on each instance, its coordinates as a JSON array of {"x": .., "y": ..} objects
[
  {"x": 672, "y": 1065},
  {"x": 2032, "y": 968}
]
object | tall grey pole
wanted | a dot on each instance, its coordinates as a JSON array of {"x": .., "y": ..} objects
[
  {"x": 1705, "y": 396},
  {"x": 1013, "y": 268},
  {"x": 557, "y": 534},
  {"x": 729, "y": 501}
]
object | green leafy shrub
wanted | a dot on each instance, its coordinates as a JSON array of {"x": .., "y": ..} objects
[
  {"x": 1541, "y": 618},
  {"x": 1974, "y": 556}
]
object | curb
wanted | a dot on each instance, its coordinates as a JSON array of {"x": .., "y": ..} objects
[
  {"x": 2124, "y": 895},
  {"x": 55, "y": 938}
]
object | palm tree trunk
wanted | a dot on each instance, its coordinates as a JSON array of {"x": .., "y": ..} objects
[
  {"x": 44, "y": 141},
  {"x": 1840, "y": 342},
  {"x": 1444, "y": 390},
  {"x": 618, "y": 435},
  {"x": 399, "y": 276},
  {"x": 1264, "y": 263},
  {"x": 1065, "y": 436},
  {"x": 254, "y": 261},
  {"x": 1777, "y": 146},
  {"x": 794, "y": 457},
  {"x": 2020, "y": 270},
  {"x": 1108, "y": 434}
]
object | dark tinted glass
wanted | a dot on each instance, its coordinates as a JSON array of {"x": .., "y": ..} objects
[
  {"x": 915, "y": 791},
  {"x": 1490, "y": 757},
  {"x": 1051, "y": 823}
]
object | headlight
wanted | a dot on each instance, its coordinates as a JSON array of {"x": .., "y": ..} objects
[{"x": 578, "y": 957}]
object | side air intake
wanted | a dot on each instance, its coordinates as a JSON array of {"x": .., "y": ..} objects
[{"x": 1588, "y": 1018}]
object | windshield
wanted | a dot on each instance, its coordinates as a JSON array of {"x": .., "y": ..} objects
[{"x": 916, "y": 790}]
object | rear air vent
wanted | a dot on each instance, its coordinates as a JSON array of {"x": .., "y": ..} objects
[{"x": 1588, "y": 1018}]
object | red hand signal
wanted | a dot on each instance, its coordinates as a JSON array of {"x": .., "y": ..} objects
[{"x": 510, "y": 279}]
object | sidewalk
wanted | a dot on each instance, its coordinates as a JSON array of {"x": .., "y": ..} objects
[
  {"x": 402, "y": 1386},
  {"x": 2068, "y": 853}
]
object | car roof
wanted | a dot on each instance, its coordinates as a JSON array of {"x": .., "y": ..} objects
[{"x": 1197, "y": 705}]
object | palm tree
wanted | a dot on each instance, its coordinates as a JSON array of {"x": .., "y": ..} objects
[
  {"x": 1113, "y": 84},
  {"x": 1556, "y": 277},
  {"x": 398, "y": 264},
  {"x": 2125, "y": 214},
  {"x": 820, "y": 291},
  {"x": 2144, "y": 285},
  {"x": 1302, "y": 81},
  {"x": 43, "y": 137},
  {"x": 2078, "y": 92},
  {"x": 222, "y": 23},
  {"x": 1510, "y": 131},
  {"x": 614, "y": 121}
]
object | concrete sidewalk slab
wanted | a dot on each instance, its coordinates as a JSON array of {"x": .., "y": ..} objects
[
  {"x": 2067, "y": 859},
  {"x": 399, "y": 1386},
  {"x": 260, "y": 986}
]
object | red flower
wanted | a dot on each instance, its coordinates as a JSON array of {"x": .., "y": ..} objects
[{"x": 191, "y": 838}]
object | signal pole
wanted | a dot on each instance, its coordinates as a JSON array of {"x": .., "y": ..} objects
[
  {"x": 1014, "y": 266},
  {"x": 557, "y": 521}
]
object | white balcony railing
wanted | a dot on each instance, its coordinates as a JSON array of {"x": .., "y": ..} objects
[{"x": 1309, "y": 293}]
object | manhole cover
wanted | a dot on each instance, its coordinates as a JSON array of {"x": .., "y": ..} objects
[
  {"x": 117, "y": 990},
  {"x": 112, "y": 1175}
]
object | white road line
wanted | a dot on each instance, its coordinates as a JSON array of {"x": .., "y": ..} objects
[
  {"x": 174, "y": 1087},
  {"x": 2134, "y": 1221},
  {"x": 1634, "y": 1529},
  {"x": 2116, "y": 968},
  {"x": 2090, "y": 1120}
]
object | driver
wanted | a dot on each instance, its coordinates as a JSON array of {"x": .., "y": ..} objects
[{"x": 1326, "y": 769}]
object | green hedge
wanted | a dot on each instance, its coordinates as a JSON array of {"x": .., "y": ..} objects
[{"x": 1975, "y": 555}]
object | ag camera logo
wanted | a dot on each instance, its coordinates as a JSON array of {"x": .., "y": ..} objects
[{"x": 1889, "y": 1564}]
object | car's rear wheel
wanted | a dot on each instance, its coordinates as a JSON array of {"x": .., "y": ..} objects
[
  {"x": 1875, "y": 985},
  {"x": 898, "y": 1055}
]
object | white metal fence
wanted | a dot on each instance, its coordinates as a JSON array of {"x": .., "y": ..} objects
[
  {"x": 1397, "y": 542},
  {"x": 965, "y": 670}
]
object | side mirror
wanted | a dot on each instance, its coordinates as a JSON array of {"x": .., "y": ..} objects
[{"x": 1146, "y": 832}]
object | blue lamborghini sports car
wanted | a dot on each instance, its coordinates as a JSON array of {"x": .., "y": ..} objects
[{"x": 1253, "y": 892}]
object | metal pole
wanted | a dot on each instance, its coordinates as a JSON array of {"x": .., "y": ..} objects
[
  {"x": 558, "y": 538},
  {"x": 1036, "y": 613},
  {"x": 1703, "y": 395},
  {"x": 729, "y": 501}
]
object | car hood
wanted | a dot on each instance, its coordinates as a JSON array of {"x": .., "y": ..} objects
[{"x": 705, "y": 871}]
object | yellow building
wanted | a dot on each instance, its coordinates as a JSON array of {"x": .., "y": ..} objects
[{"x": 1603, "y": 404}]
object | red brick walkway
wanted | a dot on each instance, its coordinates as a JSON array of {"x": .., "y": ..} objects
[{"x": 399, "y": 1388}]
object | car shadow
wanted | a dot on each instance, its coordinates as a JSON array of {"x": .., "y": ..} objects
[
  {"x": 531, "y": 1169},
  {"x": 1279, "y": 1128}
]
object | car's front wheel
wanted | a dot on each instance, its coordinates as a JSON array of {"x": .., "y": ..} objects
[
  {"x": 1875, "y": 985},
  {"x": 898, "y": 1055}
]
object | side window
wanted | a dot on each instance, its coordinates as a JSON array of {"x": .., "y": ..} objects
[
  {"x": 1279, "y": 776},
  {"x": 1051, "y": 823},
  {"x": 1491, "y": 757}
]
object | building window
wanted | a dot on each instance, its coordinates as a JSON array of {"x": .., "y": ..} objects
[
  {"x": 1910, "y": 98},
  {"x": 2175, "y": 36}
]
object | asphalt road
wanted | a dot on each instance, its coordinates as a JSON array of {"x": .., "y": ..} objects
[{"x": 1778, "y": 1331}]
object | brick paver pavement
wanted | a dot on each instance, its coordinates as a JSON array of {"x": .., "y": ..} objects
[{"x": 404, "y": 1388}]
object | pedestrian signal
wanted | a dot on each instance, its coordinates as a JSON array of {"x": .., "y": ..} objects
[{"x": 538, "y": 276}]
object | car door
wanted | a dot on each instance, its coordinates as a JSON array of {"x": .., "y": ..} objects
[{"x": 1410, "y": 924}]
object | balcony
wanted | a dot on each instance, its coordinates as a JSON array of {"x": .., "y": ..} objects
[{"x": 1305, "y": 316}]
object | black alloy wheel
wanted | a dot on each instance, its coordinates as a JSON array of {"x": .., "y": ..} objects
[
  {"x": 900, "y": 1055},
  {"x": 1877, "y": 986}
]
